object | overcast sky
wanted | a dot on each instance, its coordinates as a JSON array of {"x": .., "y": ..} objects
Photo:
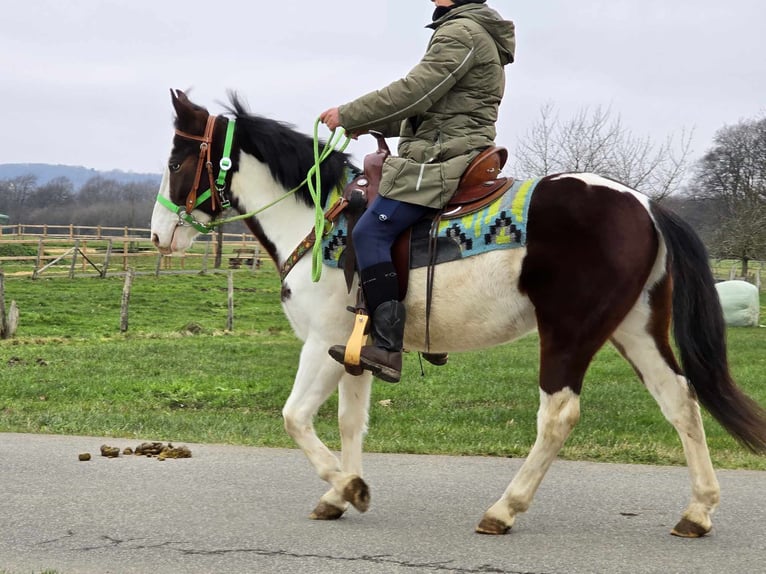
[{"x": 85, "y": 82}]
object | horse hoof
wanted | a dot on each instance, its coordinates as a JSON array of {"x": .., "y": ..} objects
[
  {"x": 492, "y": 526},
  {"x": 688, "y": 529},
  {"x": 325, "y": 511},
  {"x": 358, "y": 494}
]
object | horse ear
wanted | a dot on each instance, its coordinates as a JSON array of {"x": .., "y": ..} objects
[{"x": 179, "y": 100}]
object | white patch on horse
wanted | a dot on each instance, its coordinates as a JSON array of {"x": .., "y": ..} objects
[
  {"x": 601, "y": 181},
  {"x": 286, "y": 223},
  {"x": 673, "y": 395},
  {"x": 168, "y": 235},
  {"x": 461, "y": 316}
]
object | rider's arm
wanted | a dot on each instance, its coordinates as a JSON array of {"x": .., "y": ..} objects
[{"x": 449, "y": 56}]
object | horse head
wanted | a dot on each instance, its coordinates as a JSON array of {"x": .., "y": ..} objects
[{"x": 193, "y": 192}]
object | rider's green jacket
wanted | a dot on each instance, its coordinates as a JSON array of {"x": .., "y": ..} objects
[{"x": 444, "y": 110}]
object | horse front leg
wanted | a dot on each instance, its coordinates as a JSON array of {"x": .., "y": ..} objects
[
  {"x": 318, "y": 376},
  {"x": 558, "y": 414},
  {"x": 353, "y": 408}
]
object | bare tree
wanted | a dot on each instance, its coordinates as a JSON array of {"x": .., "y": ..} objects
[
  {"x": 595, "y": 141},
  {"x": 733, "y": 173},
  {"x": 15, "y": 194}
]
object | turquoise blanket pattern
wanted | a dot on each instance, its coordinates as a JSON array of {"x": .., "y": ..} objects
[{"x": 500, "y": 225}]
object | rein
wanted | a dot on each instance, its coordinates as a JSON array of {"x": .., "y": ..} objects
[{"x": 313, "y": 180}]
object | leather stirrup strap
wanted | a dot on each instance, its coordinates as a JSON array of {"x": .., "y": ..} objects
[{"x": 433, "y": 236}]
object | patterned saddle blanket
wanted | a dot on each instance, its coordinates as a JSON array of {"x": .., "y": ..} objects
[{"x": 502, "y": 224}]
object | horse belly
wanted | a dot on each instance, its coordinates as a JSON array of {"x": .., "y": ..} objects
[{"x": 476, "y": 304}]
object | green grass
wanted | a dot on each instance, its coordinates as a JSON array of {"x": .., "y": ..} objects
[{"x": 178, "y": 375}]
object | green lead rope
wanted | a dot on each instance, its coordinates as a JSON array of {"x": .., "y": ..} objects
[{"x": 313, "y": 180}]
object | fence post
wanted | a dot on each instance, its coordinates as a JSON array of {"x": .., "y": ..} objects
[
  {"x": 218, "y": 247},
  {"x": 159, "y": 264},
  {"x": 3, "y": 321},
  {"x": 230, "y": 320},
  {"x": 126, "y": 300},
  {"x": 107, "y": 258},
  {"x": 732, "y": 272},
  {"x": 39, "y": 253},
  {"x": 125, "y": 250},
  {"x": 204, "y": 259},
  {"x": 758, "y": 279},
  {"x": 75, "y": 251}
]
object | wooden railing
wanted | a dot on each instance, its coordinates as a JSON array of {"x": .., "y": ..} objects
[{"x": 101, "y": 250}]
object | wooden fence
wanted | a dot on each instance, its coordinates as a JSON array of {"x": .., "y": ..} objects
[
  {"x": 73, "y": 249},
  {"x": 35, "y": 250}
]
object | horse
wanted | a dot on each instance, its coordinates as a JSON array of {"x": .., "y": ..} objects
[{"x": 602, "y": 262}]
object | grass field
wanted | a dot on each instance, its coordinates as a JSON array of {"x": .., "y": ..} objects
[{"x": 178, "y": 375}]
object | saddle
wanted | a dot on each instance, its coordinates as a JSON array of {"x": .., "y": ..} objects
[{"x": 479, "y": 186}]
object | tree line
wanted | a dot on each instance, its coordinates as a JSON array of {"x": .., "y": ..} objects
[
  {"x": 99, "y": 201},
  {"x": 722, "y": 195}
]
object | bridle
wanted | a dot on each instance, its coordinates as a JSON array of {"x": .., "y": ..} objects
[
  {"x": 216, "y": 191},
  {"x": 219, "y": 201}
]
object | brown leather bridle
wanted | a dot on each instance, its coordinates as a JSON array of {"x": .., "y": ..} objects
[{"x": 206, "y": 142}]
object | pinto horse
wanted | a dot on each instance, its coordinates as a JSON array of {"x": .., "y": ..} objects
[{"x": 601, "y": 263}]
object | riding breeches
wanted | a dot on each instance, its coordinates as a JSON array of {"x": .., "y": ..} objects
[{"x": 377, "y": 229}]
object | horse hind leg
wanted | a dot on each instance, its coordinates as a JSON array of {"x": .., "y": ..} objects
[
  {"x": 563, "y": 362},
  {"x": 642, "y": 339},
  {"x": 558, "y": 414}
]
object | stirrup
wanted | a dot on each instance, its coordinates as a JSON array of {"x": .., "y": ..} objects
[{"x": 358, "y": 338}]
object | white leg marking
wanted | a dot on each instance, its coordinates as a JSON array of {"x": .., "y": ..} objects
[
  {"x": 353, "y": 409},
  {"x": 557, "y": 416},
  {"x": 672, "y": 393},
  {"x": 318, "y": 376}
]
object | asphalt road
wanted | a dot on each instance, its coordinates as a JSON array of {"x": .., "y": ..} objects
[{"x": 241, "y": 510}]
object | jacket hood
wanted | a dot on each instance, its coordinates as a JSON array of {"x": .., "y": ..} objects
[{"x": 502, "y": 31}]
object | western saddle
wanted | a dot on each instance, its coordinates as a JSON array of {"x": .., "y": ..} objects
[{"x": 479, "y": 186}]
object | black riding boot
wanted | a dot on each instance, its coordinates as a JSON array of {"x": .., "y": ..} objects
[{"x": 384, "y": 357}]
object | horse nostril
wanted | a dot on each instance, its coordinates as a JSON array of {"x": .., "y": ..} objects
[{"x": 155, "y": 239}]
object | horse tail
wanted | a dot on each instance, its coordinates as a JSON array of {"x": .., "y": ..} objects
[{"x": 700, "y": 333}]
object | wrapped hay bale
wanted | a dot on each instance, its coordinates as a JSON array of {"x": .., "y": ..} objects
[{"x": 741, "y": 306}]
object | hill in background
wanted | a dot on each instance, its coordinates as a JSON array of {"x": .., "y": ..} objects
[{"x": 78, "y": 175}]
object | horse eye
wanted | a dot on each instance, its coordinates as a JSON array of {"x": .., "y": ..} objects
[{"x": 174, "y": 167}]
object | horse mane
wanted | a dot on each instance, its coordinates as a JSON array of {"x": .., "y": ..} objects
[{"x": 288, "y": 153}]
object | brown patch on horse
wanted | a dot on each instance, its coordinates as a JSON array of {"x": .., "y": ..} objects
[
  {"x": 578, "y": 306},
  {"x": 661, "y": 304},
  {"x": 286, "y": 292}
]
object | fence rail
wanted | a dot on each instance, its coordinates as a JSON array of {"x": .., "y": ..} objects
[
  {"x": 68, "y": 249},
  {"x": 38, "y": 245}
]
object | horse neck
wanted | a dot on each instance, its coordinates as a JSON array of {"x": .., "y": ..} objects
[{"x": 284, "y": 224}]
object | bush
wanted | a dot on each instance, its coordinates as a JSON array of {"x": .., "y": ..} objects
[{"x": 16, "y": 250}]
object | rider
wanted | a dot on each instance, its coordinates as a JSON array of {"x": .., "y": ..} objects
[{"x": 444, "y": 112}]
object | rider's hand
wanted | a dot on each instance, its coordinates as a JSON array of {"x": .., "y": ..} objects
[{"x": 331, "y": 118}]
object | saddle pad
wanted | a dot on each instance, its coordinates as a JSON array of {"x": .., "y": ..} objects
[{"x": 500, "y": 225}]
